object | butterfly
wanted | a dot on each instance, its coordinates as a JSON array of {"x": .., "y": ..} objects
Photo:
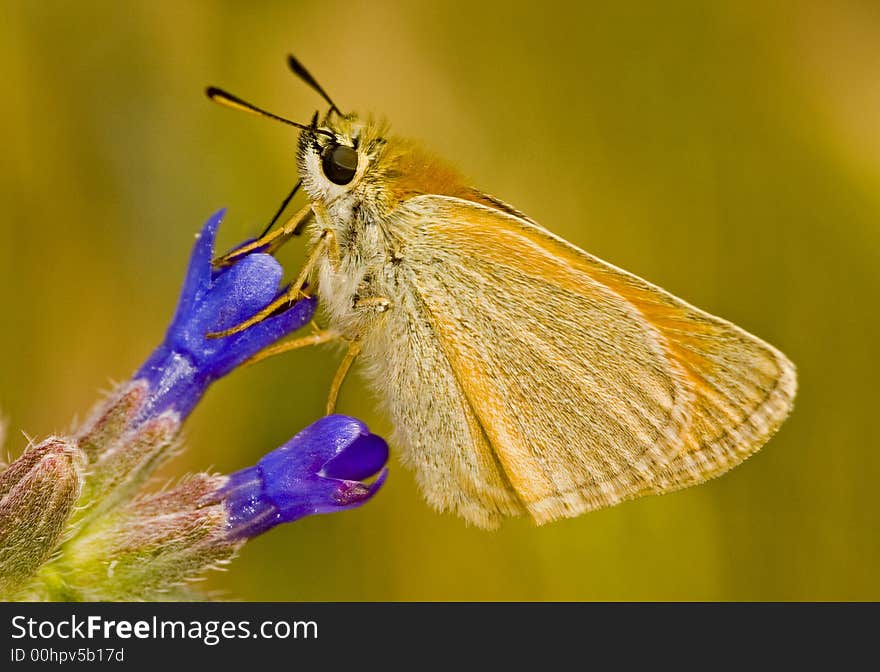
[{"x": 521, "y": 373}]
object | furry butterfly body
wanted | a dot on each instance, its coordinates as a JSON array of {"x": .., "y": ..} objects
[{"x": 521, "y": 373}]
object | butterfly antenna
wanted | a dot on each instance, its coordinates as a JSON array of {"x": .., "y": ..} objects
[
  {"x": 282, "y": 208},
  {"x": 226, "y": 99},
  {"x": 299, "y": 70}
]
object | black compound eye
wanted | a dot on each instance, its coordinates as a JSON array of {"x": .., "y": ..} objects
[{"x": 340, "y": 163}]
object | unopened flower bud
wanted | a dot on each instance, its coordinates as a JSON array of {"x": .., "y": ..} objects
[
  {"x": 145, "y": 550},
  {"x": 37, "y": 494}
]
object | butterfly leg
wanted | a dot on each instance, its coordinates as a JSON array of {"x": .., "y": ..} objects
[
  {"x": 326, "y": 242},
  {"x": 377, "y": 303},
  {"x": 317, "y": 337},
  {"x": 354, "y": 349},
  {"x": 270, "y": 242},
  {"x": 374, "y": 303}
]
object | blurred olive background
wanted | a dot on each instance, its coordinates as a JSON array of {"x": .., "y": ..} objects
[{"x": 727, "y": 151}]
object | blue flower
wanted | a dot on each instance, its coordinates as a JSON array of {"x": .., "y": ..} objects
[
  {"x": 320, "y": 470},
  {"x": 187, "y": 362},
  {"x": 77, "y": 523}
]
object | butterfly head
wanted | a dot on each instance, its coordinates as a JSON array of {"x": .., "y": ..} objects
[
  {"x": 352, "y": 168},
  {"x": 340, "y": 160}
]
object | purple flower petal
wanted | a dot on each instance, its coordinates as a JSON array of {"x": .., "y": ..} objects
[
  {"x": 180, "y": 370},
  {"x": 305, "y": 476},
  {"x": 367, "y": 455},
  {"x": 198, "y": 273}
]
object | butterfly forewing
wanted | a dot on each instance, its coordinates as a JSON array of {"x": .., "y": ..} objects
[{"x": 589, "y": 385}]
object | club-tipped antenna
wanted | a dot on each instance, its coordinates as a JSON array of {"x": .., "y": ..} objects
[
  {"x": 300, "y": 71},
  {"x": 228, "y": 100}
]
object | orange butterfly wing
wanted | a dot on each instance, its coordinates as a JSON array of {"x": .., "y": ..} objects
[{"x": 592, "y": 385}]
